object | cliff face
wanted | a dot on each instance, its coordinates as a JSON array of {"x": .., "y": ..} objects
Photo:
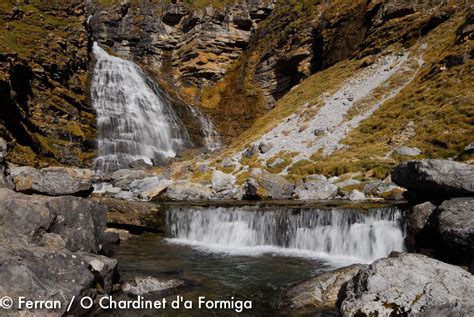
[
  {"x": 43, "y": 83},
  {"x": 235, "y": 60}
]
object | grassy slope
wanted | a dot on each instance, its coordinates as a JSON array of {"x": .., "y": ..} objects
[{"x": 440, "y": 102}]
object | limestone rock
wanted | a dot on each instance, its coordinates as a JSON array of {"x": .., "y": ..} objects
[
  {"x": 272, "y": 186},
  {"x": 456, "y": 225},
  {"x": 417, "y": 216},
  {"x": 149, "y": 188},
  {"x": 316, "y": 188},
  {"x": 222, "y": 181},
  {"x": 356, "y": 195},
  {"x": 409, "y": 284},
  {"x": 435, "y": 179},
  {"x": 185, "y": 190},
  {"x": 122, "y": 178},
  {"x": 53, "y": 181},
  {"x": 318, "y": 292},
  {"x": 408, "y": 151}
]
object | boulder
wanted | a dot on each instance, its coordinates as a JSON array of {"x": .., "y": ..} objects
[
  {"x": 316, "y": 188},
  {"x": 265, "y": 147},
  {"x": 47, "y": 250},
  {"x": 272, "y": 186},
  {"x": 124, "y": 177},
  {"x": 418, "y": 215},
  {"x": 347, "y": 182},
  {"x": 137, "y": 217},
  {"x": 78, "y": 221},
  {"x": 356, "y": 195},
  {"x": 435, "y": 180},
  {"x": 456, "y": 225},
  {"x": 411, "y": 285},
  {"x": 185, "y": 190},
  {"x": 222, "y": 181},
  {"x": 318, "y": 292},
  {"x": 52, "y": 181},
  {"x": 149, "y": 188},
  {"x": 408, "y": 151}
]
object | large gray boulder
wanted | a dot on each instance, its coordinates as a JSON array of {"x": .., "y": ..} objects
[
  {"x": 149, "y": 188},
  {"x": 78, "y": 221},
  {"x": 52, "y": 181},
  {"x": 222, "y": 182},
  {"x": 409, "y": 285},
  {"x": 418, "y": 216},
  {"x": 184, "y": 190},
  {"x": 265, "y": 185},
  {"x": 48, "y": 249},
  {"x": 316, "y": 187},
  {"x": 317, "y": 293},
  {"x": 435, "y": 179},
  {"x": 124, "y": 177},
  {"x": 456, "y": 225}
]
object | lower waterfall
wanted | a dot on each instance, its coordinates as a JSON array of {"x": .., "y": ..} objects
[{"x": 350, "y": 234}]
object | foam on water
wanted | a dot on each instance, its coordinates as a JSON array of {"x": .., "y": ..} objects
[{"x": 337, "y": 235}]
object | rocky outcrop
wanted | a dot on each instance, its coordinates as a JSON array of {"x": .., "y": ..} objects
[
  {"x": 435, "y": 288},
  {"x": 52, "y": 181},
  {"x": 435, "y": 179},
  {"x": 318, "y": 293},
  {"x": 44, "y": 62},
  {"x": 48, "y": 249},
  {"x": 136, "y": 217},
  {"x": 5, "y": 179}
]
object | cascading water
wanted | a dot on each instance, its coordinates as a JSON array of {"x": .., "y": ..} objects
[
  {"x": 134, "y": 118},
  {"x": 348, "y": 234},
  {"x": 211, "y": 138}
]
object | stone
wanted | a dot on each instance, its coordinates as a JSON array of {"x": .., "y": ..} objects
[
  {"x": 356, "y": 195},
  {"x": 124, "y": 177},
  {"x": 3, "y": 150},
  {"x": 435, "y": 179},
  {"x": 134, "y": 216},
  {"x": 251, "y": 189},
  {"x": 221, "y": 181},
  {"x": 123, "y": 234},
  {"x": 276, "y": 162},
  {"x": 318, "y": 292},
  {"x": 347, "y": 182},
  {"x": 265, "y": 147},
  {"x": 140, "y": 164},
  {"x": 316, "y": 187},
  {"x": 78, "y": 221},
  {"x": 456, "y": 225},
  {"x": 52, "y": 181},
  {"x": 469, "y": 148},
  {"x": 272, "y": 186},
  {"x": 409, "y": 284},
  {"x": 418, "y": 215},
  {"x": 149, "y": 188},
  {"x": 250, "y": 151},
  {"x": 184, "y": 190},
  {"x": 150, "y": 285},
  {"x": 408, "y": 151}
]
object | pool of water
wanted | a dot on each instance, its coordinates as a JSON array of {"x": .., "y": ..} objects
[{"x": 217, "y": 276}]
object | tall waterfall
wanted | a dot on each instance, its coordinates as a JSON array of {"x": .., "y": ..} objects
[
  {"x": 331, "y": 233},
  {"x": 134, "y": 118}
]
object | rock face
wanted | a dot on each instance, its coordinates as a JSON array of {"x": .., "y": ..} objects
[
  {"x": 435, "y": 179},
  {"x": 48, "y": 249},
  {"x": 316, "y": 189},
  {"x": 43, "y": 84},
  {"x": 319, "y": 292},
  {"x": 53, "y": 181},
  {"x": 456, "y": 225},
  {"x": 409, "y": 284}
]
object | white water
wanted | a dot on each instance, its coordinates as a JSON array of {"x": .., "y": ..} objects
[
  {"x": 134, "y": 119},
  {"x": 211, "y": 137},
  {"x": 338, "y": 235}
]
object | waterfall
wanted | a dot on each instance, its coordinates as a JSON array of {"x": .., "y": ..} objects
[
  {"x": 350, "y": 234},
  {"x": 211, "y": 137},
  {"x": 135, "y": 120}
]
